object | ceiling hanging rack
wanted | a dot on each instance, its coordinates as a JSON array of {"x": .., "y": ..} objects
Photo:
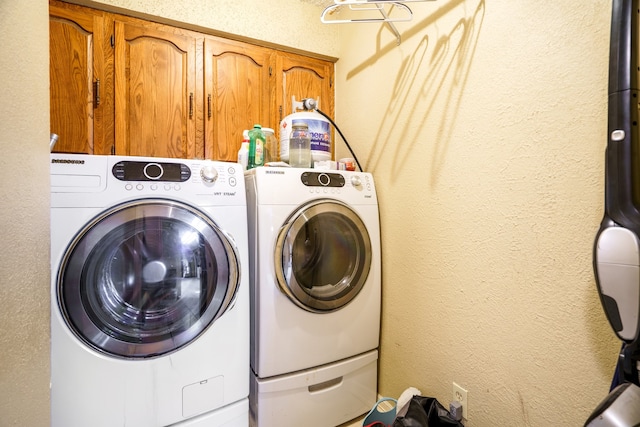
[{"x": 406, "y": 14}]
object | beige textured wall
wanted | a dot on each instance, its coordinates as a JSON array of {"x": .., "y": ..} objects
[
  {"x": 24, "y": 169},
  {"x": 292, "y": 23},
  {"x": 24, "y": 214},
  {"x": 485, "y": 130}
]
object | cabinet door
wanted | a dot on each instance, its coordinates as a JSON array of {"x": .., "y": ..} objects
[
  {"x": 77, "y": 73},
  {"x": 303, "y": 77},
  {"x": 237, "y": 94},
  {"x": 155, "y": 91}
]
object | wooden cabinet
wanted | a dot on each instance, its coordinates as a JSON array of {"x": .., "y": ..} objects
[
  {"x": 299, "y": 78},
  {"x": 81, "y": 111},
  {"x": 247, "y": 84},
  {"x": 238, "y": 89},
  {"x": 155, "y": 92},
  {"x": 303, "y": 77},
  {"x": 127, "y": 86}
]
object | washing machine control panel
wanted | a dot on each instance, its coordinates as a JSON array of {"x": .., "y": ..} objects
[
  {"x": 322, "y": 179},
  {"x": 151, "y": 171}
]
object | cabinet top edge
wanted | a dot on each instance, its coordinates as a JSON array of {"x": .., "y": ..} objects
[{"x": 194, "y": 27}]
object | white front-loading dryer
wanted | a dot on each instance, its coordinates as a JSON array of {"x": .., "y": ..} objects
[
  {"x": 149, "y": 292},
  {"x": 314, "y": 242}
]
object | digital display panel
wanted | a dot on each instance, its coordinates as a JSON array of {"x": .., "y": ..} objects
[
  {"x": 151, "y": 171},
  {"x": 322, "y": 179}
]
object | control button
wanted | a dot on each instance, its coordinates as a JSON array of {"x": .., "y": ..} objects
[
  {"x": 209, "y": 173},
  {"x": 154, "y": 187},
  {"x": 177, "y": 187},
  {"x": 324, "y": 179},
  {"x": 356, "y": 181},
  {"x": 232, "y": 170},
  {"x": 153, "y": 171},
  {"x": 232, "y": 181},
  {"x": 128, "y": 187},
  {"x": 139, "y": 187},
  {"x": 167, "y": 187},
  {"x": 118, "y": 171},
  {"x": 185, "y": 172}
]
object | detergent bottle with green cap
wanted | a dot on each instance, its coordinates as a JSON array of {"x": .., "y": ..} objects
[{"x": 256, "y": 147}]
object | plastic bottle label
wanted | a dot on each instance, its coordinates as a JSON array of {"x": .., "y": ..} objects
[
  {"x": 256, "y": 147},
  {"x": 319, "y": 128},
  {"x": 320, "y": 136},
  {"x": 259, "y": 152}
]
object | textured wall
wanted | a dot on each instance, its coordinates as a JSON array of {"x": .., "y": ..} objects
[
  {"x": 485, "y": 130},
  {"x": 24, "y": 170},
  {"x": 292, "y": 23},
  {"x": 24, "y": 214}
]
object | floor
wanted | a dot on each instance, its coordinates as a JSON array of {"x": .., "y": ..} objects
[
  {"x": 353, "y": 423},
  {"x": 383, "y": 406}
]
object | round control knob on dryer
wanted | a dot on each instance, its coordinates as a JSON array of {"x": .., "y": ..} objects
[
  {"x": 209, "y": 173},
  {"x": 355, "y": 181}
]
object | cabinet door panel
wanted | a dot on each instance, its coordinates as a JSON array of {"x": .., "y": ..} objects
[
  {"x": 303, "y": 77},
  {"x": 73, "y": 38},
  {"x": 155, "y": 92},
  {"x": 165, "y": 91},
  {"x": 237, "y": 78}
]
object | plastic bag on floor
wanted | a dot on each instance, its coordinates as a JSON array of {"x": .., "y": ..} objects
[{"x": 424, "y": 412}]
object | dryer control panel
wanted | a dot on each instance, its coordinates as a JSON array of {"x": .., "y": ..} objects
[
  {"x": 322, "y": 179},
  {"x": 127, "y": 170}
]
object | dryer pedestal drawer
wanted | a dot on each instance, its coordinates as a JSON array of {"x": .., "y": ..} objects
[
  {"x": 326, "y": 396},
  {"x": 234, "y": 415}
]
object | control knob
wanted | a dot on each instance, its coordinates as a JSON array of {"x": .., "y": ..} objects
[
  {"x": 209, "y": 173},
  {"x": 355, "y": 181}
]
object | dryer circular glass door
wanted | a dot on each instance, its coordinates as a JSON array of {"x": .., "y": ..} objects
[
  {"x": 323, "y": 256},
  {"x": 146, "y": 278}
]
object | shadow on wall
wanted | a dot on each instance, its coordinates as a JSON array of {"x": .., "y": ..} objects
[{"x": 429, "y": 83}]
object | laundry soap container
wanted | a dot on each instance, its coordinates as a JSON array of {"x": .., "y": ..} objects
[
  {"x": 319, "y": 130},
  {"x": 243, "y": 152},
  {"x": 256, "y": 147}
]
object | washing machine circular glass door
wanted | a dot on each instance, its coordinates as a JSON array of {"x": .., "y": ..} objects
[
  {"x": 323, "y": 256},
  {"x": 146, "y": 278}
]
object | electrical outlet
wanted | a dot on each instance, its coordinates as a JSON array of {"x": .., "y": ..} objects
[{"x": 460, "y": 395}]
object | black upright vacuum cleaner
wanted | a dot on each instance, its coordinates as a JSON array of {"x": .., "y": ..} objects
[{"x": 616, "y": 255}]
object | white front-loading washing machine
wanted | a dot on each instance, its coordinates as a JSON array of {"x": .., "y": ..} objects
[
  {"x": 314, "y": 249},
  {"x": 149, "y": 292}
]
